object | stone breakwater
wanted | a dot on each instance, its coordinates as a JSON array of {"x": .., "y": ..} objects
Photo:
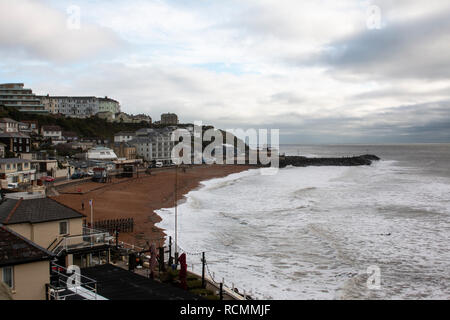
[{"x": 297, "y": 161}]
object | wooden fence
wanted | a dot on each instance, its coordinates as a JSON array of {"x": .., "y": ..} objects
[{"x": 122, "y": 225}]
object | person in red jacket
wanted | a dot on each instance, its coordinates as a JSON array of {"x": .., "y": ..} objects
[{"x": 183, "y": 271}]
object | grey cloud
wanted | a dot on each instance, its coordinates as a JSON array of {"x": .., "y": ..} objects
[
  {"x": 401, "y": 93},
  {"x": 414, "y": 49},
  {"x": 286, "y": 98},
  {"x": 429, "y": 122},
  {"x": 34, "y": 31}
]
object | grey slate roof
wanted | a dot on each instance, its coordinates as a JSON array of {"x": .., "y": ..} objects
[
  {"x": 13, "y": 160},
  {"x": 15, "y": 249},
  {"x": 13, "y": 135},
  {"x": 34, "y": 211}
]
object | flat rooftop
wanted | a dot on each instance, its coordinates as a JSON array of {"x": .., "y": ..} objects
[{"x": 115, "y": 283}]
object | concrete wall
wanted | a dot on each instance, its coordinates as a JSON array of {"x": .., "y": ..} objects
[
  {"x": 24, "y": 229},
  {"x": 44, "y": 233},
  {"x": 30, "y": 280},
  {"x": 62, "y": 172}
]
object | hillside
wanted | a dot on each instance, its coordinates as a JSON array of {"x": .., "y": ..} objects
[
  {"x": 85, "y": 128},
  {"x": 92, "y": 127}
]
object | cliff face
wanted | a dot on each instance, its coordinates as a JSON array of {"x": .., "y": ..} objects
[{"x": 296, "y": 161}]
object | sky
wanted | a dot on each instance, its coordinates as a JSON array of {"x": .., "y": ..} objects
[{"x": 320, "y": 71}]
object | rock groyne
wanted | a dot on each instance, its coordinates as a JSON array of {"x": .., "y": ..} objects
[{"x": 297, "y": 161}]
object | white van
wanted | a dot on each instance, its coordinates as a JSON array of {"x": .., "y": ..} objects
[{"x": 159, "y": 164}]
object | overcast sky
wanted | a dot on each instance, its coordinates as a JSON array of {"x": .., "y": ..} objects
[{"x": 321, "y": 71}]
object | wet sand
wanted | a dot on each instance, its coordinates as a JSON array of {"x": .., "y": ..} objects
[{"x": 139, "y": 198}]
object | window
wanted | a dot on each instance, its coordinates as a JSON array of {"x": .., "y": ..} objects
[
  {"x": 7, "y": 276},
  {"x": 63, "y": 227}
]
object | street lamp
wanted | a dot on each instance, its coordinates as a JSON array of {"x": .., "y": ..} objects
[{"x": 176, "y": 215}]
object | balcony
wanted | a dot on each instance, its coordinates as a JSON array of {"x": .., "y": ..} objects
[{"x": 90, "y": 239}]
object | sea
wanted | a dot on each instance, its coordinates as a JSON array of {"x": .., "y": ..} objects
[{"x": 369, "y": 232}]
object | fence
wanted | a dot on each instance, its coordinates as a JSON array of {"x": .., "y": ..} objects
[
  {"x": 65, "y": 285},
  {"x": 121, "y": 225},
  {"x": 166, "y": 257},
  {"x": 210, "y": 276}
]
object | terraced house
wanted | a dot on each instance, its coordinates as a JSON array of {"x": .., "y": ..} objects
[
  {"x": 15, "y": 170},
  {"x": 79, "y": 107}
]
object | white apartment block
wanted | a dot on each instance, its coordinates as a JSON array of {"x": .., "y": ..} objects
[
  {"x": 23, "y": 99},
  {"x": 79, "y": 107},
  {"x": 154, "y": 144},
  {"x": 124, "y": 136},
  {"x": 108, "y": 105}
]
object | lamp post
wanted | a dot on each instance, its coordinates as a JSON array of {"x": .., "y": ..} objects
[
  {"x": 176, "y": 215},
  {"x": 92, "y": 213}
]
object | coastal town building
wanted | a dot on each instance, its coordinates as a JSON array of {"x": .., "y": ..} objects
[
  {"x": 169, "y": 118},
  {"x": 154, "y": 144},
  {"x": 53, "y": 132},
  {"x": 56, "y": 227},
  {"x": 24, "y": 265},
  {"x": 33, "y": 126},
  {"x": 76, "y": 107},
  {"x": 124, "y": 136},
  {"x": 129, "y": 118},
  {"x": 16, "y": 142},
  {"x": 50, "y": 104},
  {"x": 50, "y": 167},
  {"x": 123, "y": 117},
  {"x": 101, "y": 153},
  {"x": 141, "y": 118},
  {"x": 124, "y": 150},
  {"x": 106, "y": 115},
  {"x": 9, "y": 125},
  {"x": 79, "y": 107},
  {"x": 16, "y": 96},
  {"x": 69, "y": 136},
  {"x": 83, "y": 145},
  {"x": 108, "y": 105},
  {"x": 25, "y": 128},
  {"x": 16, "y": 170}
]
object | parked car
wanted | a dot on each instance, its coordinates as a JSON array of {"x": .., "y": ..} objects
[
  {"x": 13, "y": 185},
  {"x": 100, "y": 175},
  {"x": 48, "y": 179},
  {"x": 159, "y": 164},
  {"x": 90, "y": 173},
  {"x": 76, "y": 175}
]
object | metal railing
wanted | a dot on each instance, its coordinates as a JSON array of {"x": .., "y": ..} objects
[
  {"x": 66, "y": 285},
  {"x": 89, "y": 239}
]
